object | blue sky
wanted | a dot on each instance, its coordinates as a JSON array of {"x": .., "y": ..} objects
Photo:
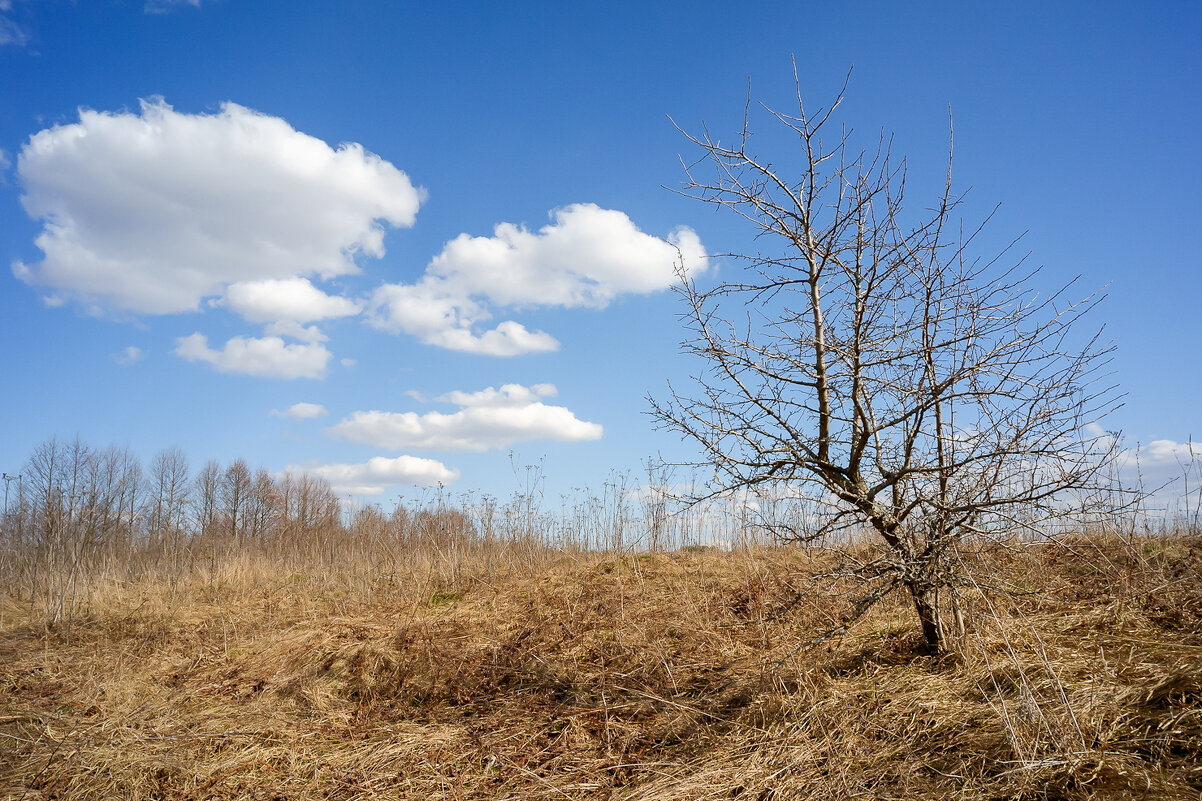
[{"x": 442, "y": 228}]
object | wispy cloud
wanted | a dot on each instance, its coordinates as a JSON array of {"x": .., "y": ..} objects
[
  {"x": 129, "y": 355},
  {"x": 12, "y": 33},
  {"x": 167, "y": 6}
]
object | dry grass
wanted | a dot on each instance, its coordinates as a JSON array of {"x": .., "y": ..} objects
[{"x": 600, "y": 676}]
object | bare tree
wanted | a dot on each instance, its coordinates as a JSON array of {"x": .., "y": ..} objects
[
  {"x": 234, "y": 492},
  {"x": 113, "y": 492},
  {"x": 65, "y": 505},
  {"x": 168, "y": 496},
  {"x": 262, "y": 506},
  {"x": 207, "y": 483},
  {"x": 310, "y": 509},
  {"x": 867, "y": 366}
]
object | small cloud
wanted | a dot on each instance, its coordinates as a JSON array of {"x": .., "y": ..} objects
[
  {"x": 1160, "y": 452},
  {"x": 301, "y": 411},
  {"x": 1168, "y": 471},
  {"x": 509, "y": 395},
  {"x": 348, "y": 362},
  {"x": 167, "y": 6},
  {"x": 372, "y": 477},
  {"x": 129, "y": 355},
  {"x": 288, "y": 328},
  {"x": 488, "y": 419},
  {"x": 268, "y": 357},
  {"x": 293, "y": 300}
]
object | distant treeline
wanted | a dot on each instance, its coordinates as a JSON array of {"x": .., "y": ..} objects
[
  {"x": 70, "y": 492},
  {"x": 80, "y": 518},
  {"x": 77, "y": 519}
]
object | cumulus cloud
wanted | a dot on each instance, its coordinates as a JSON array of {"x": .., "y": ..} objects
[
  {"x": 379, "y": 472},
  {"x": 488, "y": 419},
  {"x": 507, "y": 395},
  {"x": 301, "y": 411},
  {"x": 1162, "y": 452},
  {"x": 268, "y": 357},
  {"x": 429, "y": 312},
  {"x": 287, "y": 299},
  {"x": 584, "y": 258},
  {"x": 151, "y": 212}
]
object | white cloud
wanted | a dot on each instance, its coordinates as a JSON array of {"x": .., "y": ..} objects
[
  {"x": 268, "y": 357},
  {"x": 11, "y": 33},
  {"x": 301, "y": 411},
  {"x": 427, "y": 311},
  {"x": 1168, "y": 472},
  {"x": 1162, "y": 452},
  {"x": 288, "y": 328},
  {"x": 152, "y": 212},
  {"x": 166, "y": 6},
  {"x": 507, "y": 395},
  {"x": 288, "y": 299},
  {"x": 379, "y": 472},
  {"x": 585, "y": 258},
  {"x": 489, "y": 419},
  {"x": 129, "y": 355}
]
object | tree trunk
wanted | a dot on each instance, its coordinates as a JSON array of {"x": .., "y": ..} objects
[{"x": 926, "y": 603}]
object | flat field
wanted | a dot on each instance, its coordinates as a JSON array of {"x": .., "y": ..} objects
[{"x": 600, "y": 676}]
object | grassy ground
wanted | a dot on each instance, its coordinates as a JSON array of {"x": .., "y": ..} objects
[{"x": 627, "y": 677}]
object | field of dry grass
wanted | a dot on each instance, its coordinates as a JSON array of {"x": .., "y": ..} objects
[{"x": 603, "y": 676}]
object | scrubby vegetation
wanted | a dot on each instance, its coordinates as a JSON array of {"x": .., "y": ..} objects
[{"x": 451, "y": 666}]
